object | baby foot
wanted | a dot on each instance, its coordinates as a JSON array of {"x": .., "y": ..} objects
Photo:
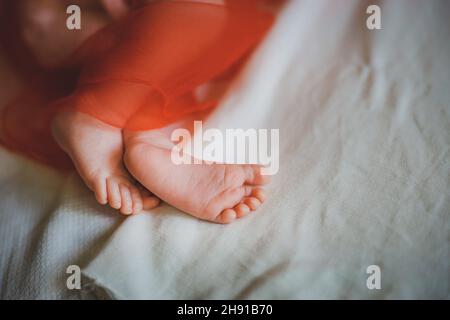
[
  {"x": 218, "y": 193},
  {"x": 96, "y": 149}
]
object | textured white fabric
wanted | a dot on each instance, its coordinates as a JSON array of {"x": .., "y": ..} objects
[
  {"x": 48, "y": 221},
  {"x": 364, "y": 119}
]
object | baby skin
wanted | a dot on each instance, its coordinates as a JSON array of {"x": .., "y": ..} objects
[
  {"x": 214, "y": 192},
  {"x": 110, "y": 161},
  {"x": 125, "y": 170},
  {"x": 96, "y": 150}
]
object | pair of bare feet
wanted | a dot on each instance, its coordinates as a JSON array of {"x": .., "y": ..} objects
[
  {"x": 114, "y": 163},
  {"x": 120, "y": 167}
]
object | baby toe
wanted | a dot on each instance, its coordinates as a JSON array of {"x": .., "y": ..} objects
[
  {"x": 227, "y": 216},
  {"x": 150, "y": 202},
  {"x": 100, "y": 192},
  {"x": 260, "y": 194},
  {"x": 242, "y": 210},
  {"x": 114, "y": 198},
  {"x": 127, "y": 206},
  {"x": 227, "y": 199},
  {"x": 252, "y": 202},
  {"x": 254, "y": 176},
  {"x": 136, "y": 199}
]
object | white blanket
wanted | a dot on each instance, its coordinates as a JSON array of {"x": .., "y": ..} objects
[{"x": 364, "y": 119}]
